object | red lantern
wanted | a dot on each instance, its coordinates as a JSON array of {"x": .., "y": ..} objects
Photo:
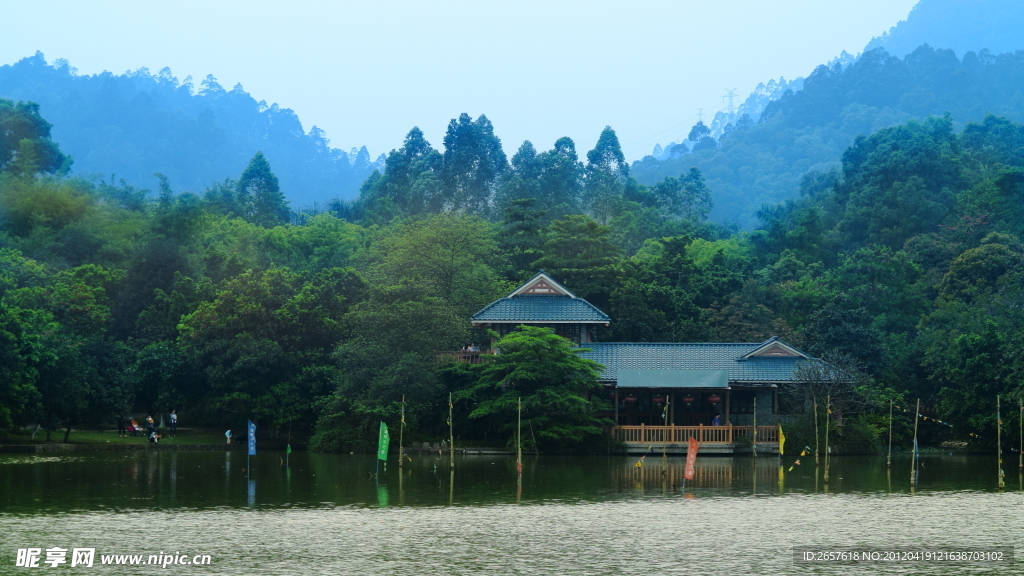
[
  {"x": 630, "y": 399},
  {"x": 658, "y": 399},
  {"x": 714, "y": 398},
  {"x": 689, "y": 399}
]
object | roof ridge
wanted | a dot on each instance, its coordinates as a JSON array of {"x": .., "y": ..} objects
[{"x": 686, "y": 343}]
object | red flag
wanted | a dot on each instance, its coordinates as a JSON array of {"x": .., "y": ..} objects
[{"x": 691, "y": 458}]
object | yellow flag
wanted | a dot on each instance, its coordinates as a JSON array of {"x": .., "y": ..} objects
[{"x": 782, "y": 441}]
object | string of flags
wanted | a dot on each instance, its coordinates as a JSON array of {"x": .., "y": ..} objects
[
  {"x": 640, "y": 462},
  {"x": 936, "y": 420},
  {"x": 802, "y": 454}
]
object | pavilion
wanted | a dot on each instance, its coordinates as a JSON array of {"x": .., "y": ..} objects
[{"x": 664, "y": 393}]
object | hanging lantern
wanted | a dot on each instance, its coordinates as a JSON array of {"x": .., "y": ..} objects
[
  {"x": 688, "y": 399},
  {"x": 630, "y": 399},
  {"x": 714, "y": 398},
  {"x": 658, "y": 399}
]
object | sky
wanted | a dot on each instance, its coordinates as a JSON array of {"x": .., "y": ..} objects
[{"x": 367, "y": 72}]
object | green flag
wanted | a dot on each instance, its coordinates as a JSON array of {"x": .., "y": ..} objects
[
  {"x": 289, "y": 450},
  {"x": 382, "y": 444}
]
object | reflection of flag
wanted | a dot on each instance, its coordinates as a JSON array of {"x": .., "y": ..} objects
[
  {"x": 782, "y": 441},
  {"x": 691, "y": 458},
  {"x": 382, "y": 444}
]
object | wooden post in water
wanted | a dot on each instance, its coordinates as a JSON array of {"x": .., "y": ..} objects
[
  {"x": 816, "y": 436},
  {"x": 888, "y": 460},
  {"x": 913, "y": 458},
  {"x": 519, "y": 443},
  {"x": 451, "y": 435},
  {"x": 753, "y": 445},
  {"x": 828, "y": 410},
  {"x": 664, "y": 444},
  {"x": 401, "y": 433},
  {"x": 999, "y": 441}
]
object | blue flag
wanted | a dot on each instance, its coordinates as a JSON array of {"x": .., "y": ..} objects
[{"x": 252, "y": 439}]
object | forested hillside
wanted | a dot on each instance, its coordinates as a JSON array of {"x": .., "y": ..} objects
[
  {"x": 134, "y": 124},
  {"x": 762, "y": 161},
  {"x": 959, "y": 25},
  {"x": 904, "y": 266}
]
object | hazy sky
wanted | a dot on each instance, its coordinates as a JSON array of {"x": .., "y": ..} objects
[{"x": 367, "y": 72}]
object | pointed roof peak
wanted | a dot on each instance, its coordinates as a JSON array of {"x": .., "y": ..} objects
[
  {"x": 542, "y": 285},
  {"x": 775, "y": 348}
]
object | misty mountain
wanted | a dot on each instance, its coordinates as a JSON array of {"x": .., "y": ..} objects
[
  {"x": 762, "y": 163},
  {"x": 137, "y": 123},
  {"x": 960, "y": 25}
]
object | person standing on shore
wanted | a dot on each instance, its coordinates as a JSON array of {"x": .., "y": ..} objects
[
  {"x": 174, "y": 422},
  {"x": 121, "y": 433},
  {"x": 228, "y": 436}
]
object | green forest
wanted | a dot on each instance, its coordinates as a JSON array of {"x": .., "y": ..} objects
[
  {"x": 760, "y": 161},
  {"x": 195, "y": 132},
  {"x": 903, "y": 265}
]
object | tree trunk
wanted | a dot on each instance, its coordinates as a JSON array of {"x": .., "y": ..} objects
[
  {"x": 67, "y": 433},
  {"x": 49, "y": 428}
]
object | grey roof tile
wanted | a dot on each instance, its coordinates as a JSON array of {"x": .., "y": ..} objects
[
  {"x": 533, "y": 308},
  {"x": 692, "y": 356}
]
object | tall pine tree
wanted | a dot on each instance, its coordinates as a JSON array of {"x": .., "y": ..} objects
[{"x": 260, "y": 195}]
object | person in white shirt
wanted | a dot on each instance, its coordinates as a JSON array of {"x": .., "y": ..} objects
[{"x": 174, "y": 422}]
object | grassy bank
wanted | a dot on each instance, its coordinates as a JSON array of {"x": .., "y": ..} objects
[{"x": 183, "y": 436}]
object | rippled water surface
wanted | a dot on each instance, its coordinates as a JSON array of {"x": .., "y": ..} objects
[{"x": 326, "y": 514}]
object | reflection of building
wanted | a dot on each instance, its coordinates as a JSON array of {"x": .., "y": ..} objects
[{"x": 663, "y": 392}]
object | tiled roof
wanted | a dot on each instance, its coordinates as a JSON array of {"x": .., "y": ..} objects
[
  {"x": 534, "y": 308},
  {"x": 685, "y": 356}
]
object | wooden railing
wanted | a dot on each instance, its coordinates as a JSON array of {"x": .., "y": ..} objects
[
  {"x": 657, "y": 435},
  {"x": 462, "y": 356}
]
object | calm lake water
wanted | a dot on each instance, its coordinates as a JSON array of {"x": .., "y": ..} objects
[{"x": 572, "y": 515}]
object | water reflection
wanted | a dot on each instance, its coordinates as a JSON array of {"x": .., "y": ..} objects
[{"x": 190, "y": 479}]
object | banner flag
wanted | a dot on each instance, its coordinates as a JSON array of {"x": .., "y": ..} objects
[
  {"x": 691, "y": 458},
  {"x": 782, "y": 441},
  {"x": 382, "y": 444},
  {"x": 252, "y": 439}
]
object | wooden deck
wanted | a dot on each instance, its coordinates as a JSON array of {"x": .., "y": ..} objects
[{"x": 712, "y": 439}]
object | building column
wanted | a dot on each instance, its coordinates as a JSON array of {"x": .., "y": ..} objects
[
  {"x": 775, "y": 404},
  {"x": 728, "y": 421},
  {"x": 615, "y": 398}
]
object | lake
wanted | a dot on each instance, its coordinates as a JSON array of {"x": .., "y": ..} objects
[{"x": 571, "y": 515}]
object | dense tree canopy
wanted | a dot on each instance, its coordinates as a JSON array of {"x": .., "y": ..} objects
[{"x": 904, "y": 261}]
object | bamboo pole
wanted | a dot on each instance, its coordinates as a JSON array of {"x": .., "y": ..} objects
[
  {"x": 753, "y": 445},
  {"x": 999, "y": 441},
  {"x": 519, "y": 443},
  {"x": 451, "y": 434},
  {"x": 816, "y": 435},
  {"x": 828, "y": 410},
  {"x": 888, "y": 460},
  {"x": 913, "y": 458},
  {"x": 401, "y": 434},
  {"x": 664, "y": 444}
]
